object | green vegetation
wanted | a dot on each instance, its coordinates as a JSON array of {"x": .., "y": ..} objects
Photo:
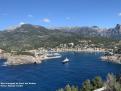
[
  {"x": 97, "y": 82},
  {"x": 112, "y": 83},
  {"x": 29, "y": 37},
  {"x": 23, "y": 53},
  {"x": 69, "y": 88},
  {"x": 86, "y": 86},
  {"x": 117, "y": 51}
]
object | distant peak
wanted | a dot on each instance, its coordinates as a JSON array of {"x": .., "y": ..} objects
[
  {"x": 118, "y": 27},
  {"x": 95, "y": 27},
  {"x": 10, "y": 28}
]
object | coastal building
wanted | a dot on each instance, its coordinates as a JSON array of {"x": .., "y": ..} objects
[
  {"x": 1, "y": 51},
  {"x": 71, "y": 44}
]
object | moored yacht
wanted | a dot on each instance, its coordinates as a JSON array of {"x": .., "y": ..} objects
[
  {"x": 65, "y": 60},
  {"x": 52, "y": 55}
]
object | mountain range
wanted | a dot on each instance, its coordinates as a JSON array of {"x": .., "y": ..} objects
[{"x": 28, "y": 36}]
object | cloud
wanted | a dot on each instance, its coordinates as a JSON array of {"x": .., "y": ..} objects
[
  {"x": 21, "y": 23},
  {"x": 30, "y": 16},
  {"x": 46, "y": 20},
  {"x": 119, "y": 14}
]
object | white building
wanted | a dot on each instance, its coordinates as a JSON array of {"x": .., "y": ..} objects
[{"x": 1, "y": 51}]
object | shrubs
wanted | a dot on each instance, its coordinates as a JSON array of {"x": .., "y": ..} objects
[
  {"x": 97, "y": 82},
  {"x": 92, "y": 85},
  {"x": 86, "y": 86},
  {"x": 112, "y": 84},
  {"x": 24, "y": 53},
  {"x": 69, "y": 88}
]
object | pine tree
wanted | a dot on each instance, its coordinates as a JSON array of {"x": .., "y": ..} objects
[
  {"x": 61, "y": 89},
  {"x": 97, "y": 82},
  {"x": 112, "y": 84},
  {"x": 73, "y": 88},
  {"x": 76, "y": 88},
  {"x": 117, "y": 86},
  {"x": 86, "y": 86},
  {"x": 68, "y": 88},
  {"x": 111, "y": 81}
]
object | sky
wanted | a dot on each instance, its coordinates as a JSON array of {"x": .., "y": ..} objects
[{"x": 58, "y": 13}]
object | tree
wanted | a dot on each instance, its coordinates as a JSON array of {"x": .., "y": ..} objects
[
  {"x": 68, "y": 88},
  {"x": 86, "y": 86},
  {"x": 61, "y": 89},
  {"x": 97, "y": 82},
  {"x": 117, "y": 86},
  {"x": 73, "y": 88},
  {"x": 76, "y": 88},
  {"x": 111, "y": 82}
]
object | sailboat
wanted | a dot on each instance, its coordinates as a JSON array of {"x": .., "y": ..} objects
[{"x": 65, "y": 60}]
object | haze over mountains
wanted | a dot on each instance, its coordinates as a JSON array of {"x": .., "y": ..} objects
[
  {"x": 85, "y": 31},
  {"x": 95, "y": 31},
  {"x": 34, "y": 36}
]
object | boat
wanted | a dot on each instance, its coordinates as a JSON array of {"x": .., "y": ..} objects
[
  {"x": 65, "y": 60},
  {"x": 52, "y": 55}
]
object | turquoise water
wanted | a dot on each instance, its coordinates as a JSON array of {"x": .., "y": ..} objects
[{"x": 52, "y": 74}]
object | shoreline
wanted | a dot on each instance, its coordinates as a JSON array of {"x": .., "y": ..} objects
[
  {"x": 114, "y": 58},
  {"x": 20, "y": 59},
  {"x": 79, "y": 50},
  {"x": 27, "y": 59}
]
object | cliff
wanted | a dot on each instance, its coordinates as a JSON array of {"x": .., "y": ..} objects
[
  {"x": 114, "y": 58},
  {"x": 19, "y": 59}
]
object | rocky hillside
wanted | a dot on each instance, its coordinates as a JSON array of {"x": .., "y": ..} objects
[
  {"x": 96, "y": 31},
  {"x": 29, "y": 36},
  {"x": 83, "y": 31},
  {"x": 114, "y": 32}
]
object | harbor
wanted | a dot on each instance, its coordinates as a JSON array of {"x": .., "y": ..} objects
[
  {"x": 52, "y": 74},
  {"x": 40, "y": 55}
]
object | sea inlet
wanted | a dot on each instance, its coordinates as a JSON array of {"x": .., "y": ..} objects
[{"x": 52, "y": 74}]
